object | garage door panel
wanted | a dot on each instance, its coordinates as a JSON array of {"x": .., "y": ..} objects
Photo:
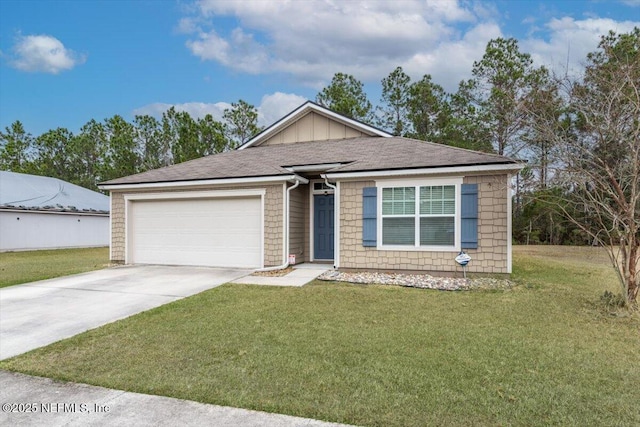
[{"x": 211, "y": 232}]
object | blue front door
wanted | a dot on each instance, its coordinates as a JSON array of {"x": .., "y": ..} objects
[{"x": 323, "y": 226}]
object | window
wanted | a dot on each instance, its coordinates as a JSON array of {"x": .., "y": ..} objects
[
  {"x": 419, "y": 216},
  {"x": 319, "y": 186},
  {"x": 437, "y": 215},
  {"x": 398, "y": 216}
]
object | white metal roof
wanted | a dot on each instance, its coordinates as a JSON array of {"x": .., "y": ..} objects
[{"x": 22, "y": 191}]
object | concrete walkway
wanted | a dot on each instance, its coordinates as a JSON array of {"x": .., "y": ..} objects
[
  {"x": 35, "y": 401},
  {"x": 300, "y": 276}
]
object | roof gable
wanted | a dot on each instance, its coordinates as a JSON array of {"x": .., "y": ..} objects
[{"x": 312, "y": 122}]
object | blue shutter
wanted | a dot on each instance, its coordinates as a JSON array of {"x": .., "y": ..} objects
[
  {"x": 469, "y": 216},
  {"x": 369, "y": 213}
]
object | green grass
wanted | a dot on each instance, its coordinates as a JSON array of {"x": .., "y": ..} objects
[
  {"x": 28, "y": 266},
  {"x": 543, "y": 353}
]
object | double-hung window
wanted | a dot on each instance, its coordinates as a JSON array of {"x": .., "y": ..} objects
[
  {"x": 419, "y": 216},
  {"x": 399, "y": 216},
  {"x": 437, "y": 215}
]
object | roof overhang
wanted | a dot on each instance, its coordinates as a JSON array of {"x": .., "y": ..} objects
[
  {"x": 304, "y": 109},
  {"x": 505, "y": 167},
  {"x": 205, "y": 182}
]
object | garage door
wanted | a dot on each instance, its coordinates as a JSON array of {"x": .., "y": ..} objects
[{"x": 218, "y": 232}]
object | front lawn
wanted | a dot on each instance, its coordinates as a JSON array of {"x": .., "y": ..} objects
[
  {"x": 542, "y": 353},
  {"x": 29, "y": 266}
]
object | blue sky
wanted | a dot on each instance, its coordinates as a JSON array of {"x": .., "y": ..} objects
[{"x": 63, "y": 63}]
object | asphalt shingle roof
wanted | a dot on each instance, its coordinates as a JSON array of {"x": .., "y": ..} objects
[{"x": 355, "y": 155}]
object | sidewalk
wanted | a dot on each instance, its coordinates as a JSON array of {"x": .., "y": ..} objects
[
  {"x": 300, "y": 276},
  {"x": 54, "y": 404}
]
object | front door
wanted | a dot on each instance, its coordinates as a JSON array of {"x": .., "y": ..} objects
[{"x": 323, "y": 226}]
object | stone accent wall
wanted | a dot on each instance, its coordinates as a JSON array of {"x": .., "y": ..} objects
[
  {"x": 273, "y": 220},
  {"x": 490, "y": 257}
]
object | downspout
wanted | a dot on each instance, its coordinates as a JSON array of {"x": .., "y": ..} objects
[
  {"x": 286, "y": 230},
  {"x": 326, "y": 181},
  {"x": 337, "y": 213}
]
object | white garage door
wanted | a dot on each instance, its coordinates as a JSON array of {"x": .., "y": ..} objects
[{"x": 219, "y": 232}]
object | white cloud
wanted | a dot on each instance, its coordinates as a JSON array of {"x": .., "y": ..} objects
[
  {"x": 272, "y": 107},
  {"x": 569, "y": 41},
  {"x": 187, "y": 26},
  {"x": 312, "y": 40},
  {"x": 275, "y": 106},
  {"x": 210, "y": 46},
  {"x": 451, "y": 61},
  {"x": 240, "y": 51},
  {"x": 43, "y": 53}
]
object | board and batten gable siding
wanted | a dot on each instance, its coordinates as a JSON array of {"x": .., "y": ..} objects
[
  {"x": 273, "y": 219},
  {"x": 313, "y": 127},
  {"x": 489, "y": 257},
  {"x": 299, "y": 223}
]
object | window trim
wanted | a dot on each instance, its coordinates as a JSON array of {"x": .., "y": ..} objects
[{"x": 417, "y": 183}]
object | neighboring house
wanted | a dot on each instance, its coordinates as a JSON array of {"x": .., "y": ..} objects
[
  {"x": 37, "y": 212},
  {"x": 324, "y": 188}
]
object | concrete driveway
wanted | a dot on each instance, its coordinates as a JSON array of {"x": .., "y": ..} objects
[{"x": 35, "y": 314}]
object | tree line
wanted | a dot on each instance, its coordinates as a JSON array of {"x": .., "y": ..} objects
[
  {"x": 580, "y": 136},
  {"x": 113, "y": 148}
]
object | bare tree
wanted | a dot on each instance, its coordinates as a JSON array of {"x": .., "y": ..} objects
[{"x": 600, "y": 168}]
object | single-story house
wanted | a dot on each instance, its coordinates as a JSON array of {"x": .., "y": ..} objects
[
  {"x": 38, "y": 212},
  {"x": 324, "y": 188}
]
